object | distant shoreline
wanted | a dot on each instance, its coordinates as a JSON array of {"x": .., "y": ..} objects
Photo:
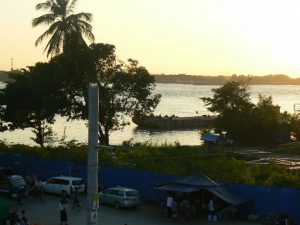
[{"x": 278, "y": 79}]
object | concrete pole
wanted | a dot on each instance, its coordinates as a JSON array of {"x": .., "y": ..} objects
[{"x": 92, "y": 167}]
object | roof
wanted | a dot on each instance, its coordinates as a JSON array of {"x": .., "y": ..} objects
[
  {"x": 122, "y": 188},
  {"x": 178, "y": 188},
  {"x": 67, "y": 178},
  {"x": 199, "y": 181},
  {"x": 227, "y": 195}
]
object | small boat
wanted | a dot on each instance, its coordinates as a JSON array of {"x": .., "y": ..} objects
[{"x": 173, "y": 122}]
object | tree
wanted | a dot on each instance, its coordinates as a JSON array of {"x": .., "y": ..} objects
[
  {"x": 294, "y": 123},
  {"x": 266, "y": 121},
  {"x": 125, "y": 88},
  {"x": 232, "y": 104},
  {"x": 29, "y": 100},
  {"x": 245, "y": 122},
  {"x": 65, "y": 27}
]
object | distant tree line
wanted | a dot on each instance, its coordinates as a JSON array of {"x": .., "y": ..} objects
[{"x": 278, "y": 79}]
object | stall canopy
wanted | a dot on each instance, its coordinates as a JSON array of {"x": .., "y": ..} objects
[
  {"x": 199, "y": 181},
  {"x": 227, "y": 195}
]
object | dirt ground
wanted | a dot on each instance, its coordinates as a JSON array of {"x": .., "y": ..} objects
[{"x": 47, "y": 213}]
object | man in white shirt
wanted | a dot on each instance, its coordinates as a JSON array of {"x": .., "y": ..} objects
[{"x": 170, "y": 202}]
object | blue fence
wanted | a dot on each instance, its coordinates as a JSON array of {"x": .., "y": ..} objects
[{"x": 264, "y": 199}]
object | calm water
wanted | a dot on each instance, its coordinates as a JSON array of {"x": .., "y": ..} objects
[{"x": 177, "y": 99}]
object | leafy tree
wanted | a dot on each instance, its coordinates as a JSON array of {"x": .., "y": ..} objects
[
  {"x": 294, "y": 123},
  {"x": 267, "y": 121},
  {"x": 125, "y": 88},
  {"x": 29, "y": 100},
  {"x": 232, "y": 104},
  {"x": 244, "y": 122},
  {"x": 65, "y": 27}
]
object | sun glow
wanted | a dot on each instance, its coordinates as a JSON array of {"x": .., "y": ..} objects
[{"x": 208, "y": 37}]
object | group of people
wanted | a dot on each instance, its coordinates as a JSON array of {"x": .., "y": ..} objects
[
  {"x": 184, "y": 208},
  {"x": 19, "y": 218},
  {"x": 35, "y": 187},
  {"x": 181, "y": 208}
]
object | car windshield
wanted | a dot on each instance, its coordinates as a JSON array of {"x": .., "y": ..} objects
[
  {"x": 132, "y": 193},
  {"x": 17, "y": 181},
  {"x": 77, "y": 182}
]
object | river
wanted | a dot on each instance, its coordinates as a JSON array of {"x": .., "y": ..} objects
[{"x": 177, "y": 99}]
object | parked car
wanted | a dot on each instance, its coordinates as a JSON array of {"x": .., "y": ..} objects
[
  {"x": 13, "y": 186},
  {"x": 64, "y": 185},
  {"x": 120, "y": 197}
]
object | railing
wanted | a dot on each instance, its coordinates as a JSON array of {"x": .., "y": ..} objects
[{"x": 296, "y": 107}]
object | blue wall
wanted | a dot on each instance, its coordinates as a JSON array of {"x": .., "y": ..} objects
[
  {"x": 264, "y": 199},
  {"x": 270, "y": 199}
]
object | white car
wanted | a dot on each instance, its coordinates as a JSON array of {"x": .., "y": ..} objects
[
  {"x": 121, "y": 197},
  {"x": 64, "y": 185}
]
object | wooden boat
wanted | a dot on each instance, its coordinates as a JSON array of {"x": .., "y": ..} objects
[{"x": 173, "y": 122}]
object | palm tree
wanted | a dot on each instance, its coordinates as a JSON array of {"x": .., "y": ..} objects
[{"x": 63, "y": 24}]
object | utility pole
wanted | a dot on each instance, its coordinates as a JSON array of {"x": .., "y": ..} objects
[
  {"x": 11, "y": 64},
  {"x": 92, "y": 167}
]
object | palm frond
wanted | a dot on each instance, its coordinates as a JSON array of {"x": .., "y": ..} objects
[
  {"x": 45, "y": 5},
  {"x": 64, "y": 25},
  {"x": 72, "y": 7},
  {"x": 54, "y": 45},
  {"x": 86, "y": 29},
  {"x": 82, "y": 16},
  {"x": 44, "y": 19},
  {"x": 52, "y": 29}
]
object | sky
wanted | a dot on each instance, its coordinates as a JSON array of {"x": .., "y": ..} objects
[{"x": 196, "y": 37}]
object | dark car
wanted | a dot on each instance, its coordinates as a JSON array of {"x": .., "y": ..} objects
[{"x": 13, "y": 186}]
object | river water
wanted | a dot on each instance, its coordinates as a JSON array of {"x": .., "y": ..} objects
[{"x": 177, "y": 99}]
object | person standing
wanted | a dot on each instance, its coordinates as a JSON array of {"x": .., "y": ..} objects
[
  {"x": 63, "y": 212},
  {"x": 170, "y": 202},
  {"x": 23, "y": 219},
  {"x": 211, "y": 207},
  {"x": 76, "y": 200}
]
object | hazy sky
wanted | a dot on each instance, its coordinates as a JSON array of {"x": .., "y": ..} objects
[{"x": 207, "y": 37}]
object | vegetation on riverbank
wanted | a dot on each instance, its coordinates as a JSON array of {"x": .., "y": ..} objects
[{"x": 220, "y": 163}]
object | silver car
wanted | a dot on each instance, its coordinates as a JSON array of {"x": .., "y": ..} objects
[{"x": 121, "y": 197}]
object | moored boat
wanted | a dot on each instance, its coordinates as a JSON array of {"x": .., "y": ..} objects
[{"x": 173, "y": 122}]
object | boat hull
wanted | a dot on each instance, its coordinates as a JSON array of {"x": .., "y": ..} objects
[{"x": 174, "y": 122}]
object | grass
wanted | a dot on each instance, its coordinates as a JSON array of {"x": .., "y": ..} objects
[{"x": 217, "y": 163}]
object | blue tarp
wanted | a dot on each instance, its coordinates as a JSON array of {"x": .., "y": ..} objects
[{"x": 210, "y": 137}]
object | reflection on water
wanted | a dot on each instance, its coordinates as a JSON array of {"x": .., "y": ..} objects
[{"x": 177, "y": 99}]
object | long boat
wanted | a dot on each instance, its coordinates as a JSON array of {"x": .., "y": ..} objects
[{"x": 173, "y": 122}]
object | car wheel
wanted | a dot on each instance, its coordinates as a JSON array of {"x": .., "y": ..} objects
[{"x": 117, "y": 205}]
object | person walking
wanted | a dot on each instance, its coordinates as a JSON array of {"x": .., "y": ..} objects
[{"x": 63, "y": 212}]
